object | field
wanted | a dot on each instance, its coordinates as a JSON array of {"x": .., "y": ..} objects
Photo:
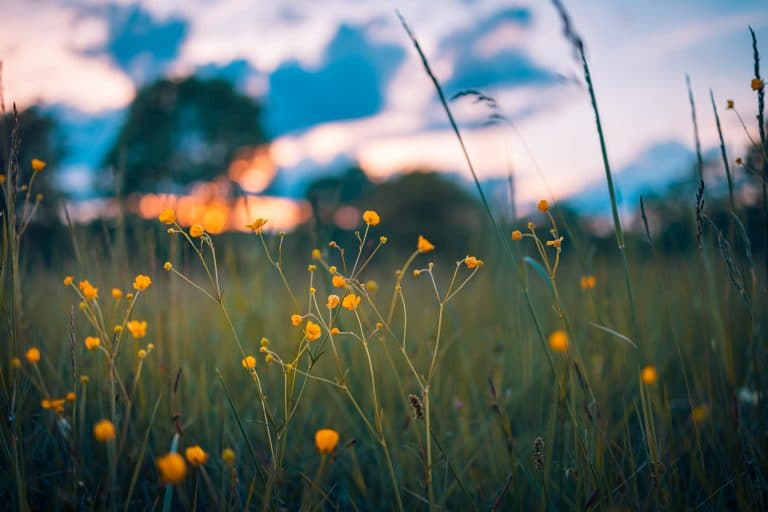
[{"x": 156, "y": 366}]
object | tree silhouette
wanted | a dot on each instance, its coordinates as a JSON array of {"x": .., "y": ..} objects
[{"x": 181, "y": 131}]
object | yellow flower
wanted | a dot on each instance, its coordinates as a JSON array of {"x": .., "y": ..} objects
[
  {"x": 167, "y": 266},
  {"x": 588, "y": 282},
  {"x": 257, "y": 225},
  {"x": 649, "y": 375},
  {"x": 757, "y": 84},
  {"x": 196, "y": 231},
  {"x": 89, "y": 291},
  {"x": 248, "y": 362},
  {"x": 68, "y": 280},
  {"x": 92, "y": 342},
  {"x": 473, "y": 262},
  {"x": 531, "y": 226},
  {"x": 558, "y": 341},
  {"x": 138, "y": 328},
  {"x": 371, "y": 218},
  {"x": 33, "y": 355},
  {"x": 196, "y": 456},
  {"x": 542, "y": 205},
  {"x": 117, "y": 293},
  {"x": 335, "y": 331},
  {"x": 729, "y": 104},
  {"x": 141, "y": 282},
  {"x": 167, "y": 216},
  {"x": 312, "y": 331},
  {"x": 700, "y": 413},
  {"x": 2, "y": 179},
  {"x": 264, "y": 342},
  {"x": 557, "y": 243},
  {"x": 128, "y": 296},
  {"x": 117, "y": 329},
  {"x": 84, "y": 379},
  {"x": 45, "y": 404},
  {"x": 150, "y": 347},
  {"x": 338, "y": 281},
  {"x": 517, "y": 235},
  {"x": 57, "y": 404},
  {"x": 141, "y": 353},
  {"x": 326, "y": 440},
  {"x": 351, "y": 301},
  {"x": 38, "y": 165},
  {"x": 172, "y": 468},
  {"x": 268, "y": 358},
  {"x": 424, "y": 245},
  {"x": 104, "y": 431},
  {"x": 371, "y": 286},
  {"x": 71, "y": 396},
  {"x": 332, "y": 269},
  {"x": 316, "y": 254},
  {"x": 333, "y": 301},
  {"x": 15, "y": 363},
  {"x": 311, "y": 268},
  {"x": 295, "y": 320},
  {"x": 228, "y": 456}
]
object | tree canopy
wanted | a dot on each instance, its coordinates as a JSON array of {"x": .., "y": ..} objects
[{"x": 180, "y": 131}]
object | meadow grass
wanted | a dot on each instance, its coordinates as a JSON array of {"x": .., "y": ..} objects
[{"x": 273, "y": 375}]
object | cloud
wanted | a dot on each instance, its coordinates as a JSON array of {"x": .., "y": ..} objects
[
  {"x": 139, "y": 44},
  {"x": 350, "y": 83},
  {"x": 485, "y": 54}
]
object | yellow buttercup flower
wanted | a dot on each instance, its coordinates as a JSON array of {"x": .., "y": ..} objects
[
  {"x": 89, "y": 291},
  {"x": 335, "y": 331},
  {"x": 38, "y": 165},
  {"x": 33, "y": 355},
  {"x": 351, "y": 301},
  {"x": 588, "y": 282},
  {"x": 228, "y": 456},
  {"x": 92, "y": 342},
  {"x": 338, "y": 281},
  {"x": 117, "y": 293},
  {"x": 196, "y": 231},
  {"x": 68, "y": 280},
  {"x": 167, "y": 266},
  {"x": 104, "y": 431},
  {"x": 517, "y": 235},
  {"x": 316, "y": 254},
  {"x": 333, "y": 301},
  {"x": 141, "y": 282},
  {"x": 248, "y": 362},
  {"x": 71, "y": 396},
  {"x": 472, "y": 262},
  {"x": 129, "y": 296},
  {"x": 138, "y": 328},
  {"x": 2, "y": 179},
  {"x": 196, "y": 456},
  {"x": 168, "y": 216},
  {"x": 141, "y": 353},
  {"x": 557, "y": 243},
  {"x": 542, "y": 205},
  {"x": 371, "y": 218},
  {"x": 558, "y": 341},
  {"x": 371, "y": 286},
  {"x": 383, "y": 240},
  {"x": 326, "y": 440},
  {"x": 424, "y": 245},
  {"x": 172, "y": 468},
  {"x": 649, "y": 375},
  {"x": 15, "y": 363},
  {"x": 312, "y": 330},
  {"x": 295, "y": 320},
  {"x": 257, "y": 225}
]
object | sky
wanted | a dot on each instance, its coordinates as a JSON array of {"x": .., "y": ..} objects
[{"x": 341, "y": 82}]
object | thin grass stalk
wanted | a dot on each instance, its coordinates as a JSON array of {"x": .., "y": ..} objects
[{"x": 578, "y": 45}]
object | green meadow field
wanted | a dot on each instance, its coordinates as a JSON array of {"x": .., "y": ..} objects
[{"x": 529, "y": 365}]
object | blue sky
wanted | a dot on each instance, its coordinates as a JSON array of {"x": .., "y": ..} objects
[{"x": 341, "y": 82}]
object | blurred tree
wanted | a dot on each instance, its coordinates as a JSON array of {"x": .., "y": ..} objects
[
  {"x": 181, "y": 131},
  {"x": 429, "y": 204}
]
